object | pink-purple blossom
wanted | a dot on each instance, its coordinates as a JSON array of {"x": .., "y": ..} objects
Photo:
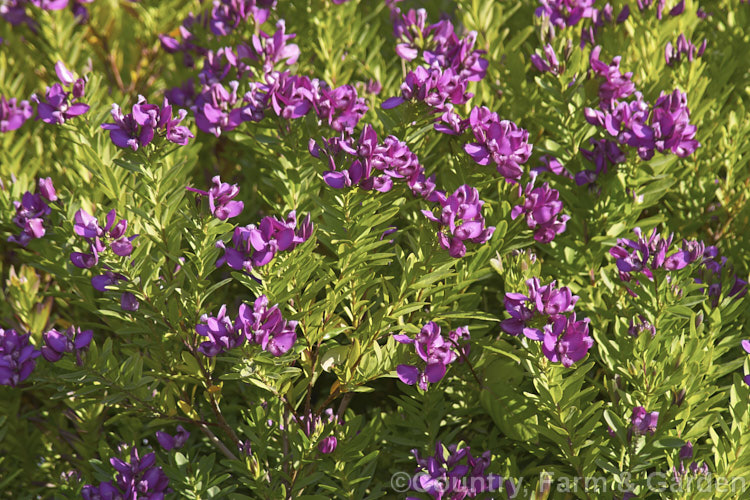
[
  {"x": 460, "y": 220},
  {"x": 17, "y": 357}
]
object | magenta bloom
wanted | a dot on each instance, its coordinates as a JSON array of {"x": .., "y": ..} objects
[
  {"x": 433, "y": 86},
  {"x": 97, "y": 237},
  {"x": 61, "y": 105},
  {"x": 548, "y": 64},
  {"x": 71, "y": 340},
  {"x": 169, "y": 442},
  {"x": 460, "y": 220},
  {"x": 220, "y": 199},
  {"x": 137, "y": 129},
  {"x": 221, "y": 332},
  {"x": 542, "y": 207},
  {"x": 255, "y": 246},
  {"x": 543, "y": 305},
  {"x": 454, "y": 473},
  {"x": 435, "y": 350},
  {"x": 290, "y": 96},
  {"x": 140, "y": 478},
  {"x": 500, "y": 141},
  {"x": 13, "y": 114},
  {"x": 340, "y": 108},
  {"x": 566, "y": 340},
  {"x": 643, "y": 422},
  {"x": 266, "y": 327},
  {"x": 31, "y": 213},
  {"x": 17, "y": 357}
]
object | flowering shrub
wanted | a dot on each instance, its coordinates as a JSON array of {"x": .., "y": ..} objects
[{"x": 374, "y": 249}]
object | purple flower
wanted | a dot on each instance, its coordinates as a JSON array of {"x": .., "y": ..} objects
[
  {"x": 31, "y": 213},
  {"x": 266, "y": 327},
  {"x": 643, "y": 255},
  {"x": 220, "y": 199},
  {"x": 453, "y": 473},
  {"x": 549, "y": 64},
  {"x": 13, "y": 114},
  {"x": 222, "y": 334},
  {"x": 501, "y": 141},
  {"x": 72, "y": 340},
  {"x": 439, "y": 43},
  {"x": 328, "y": 444},
  {"x": 616, "y": 86},
  {"x": 672, "y": 130},
  {"x": 340, "y": 108},
  {"x": 567, "y": 340},
  {"x": 562, "y": 13},
  {"x": 17, "y": 357},
  {"x": 290, "y": 96},
  {"x": 542, "y": 307},
  {"x": 603, "y": 153},
  {"x": 460, "y": 220},
  {"x": 643, "y": 422},
  {"x": 643, "y": 325},
  {"x": 129, "y": 302},
  {"x": 255, "y": 246},
  {"x": 433, "y": 349},
  {"x": 271, "y": 49},
  {"x": 137, "y": 129},
  {"x": 434, "y": 86},
  {"x": 47, "y": 189},
  {"x": 673, "y": 53},
  {"x": 61, "y": 105},
  {"x": 140, "y": 478},
  {"x": 216, "y": 110},
  {"x": 169, "y": 442},
  {"x": 87, "y": 226},
  {"x": 712, "y": 271},
  {"x": 541, "y": 207}
]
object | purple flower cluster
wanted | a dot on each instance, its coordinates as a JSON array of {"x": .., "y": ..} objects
[
  {"x": 640, "y": 325},
  {"x": 14, "y": 11},
  {"x": 13, "y": 114},
  {"x": 140, "y": 478},
  {"x": 313, "y": 424},
  {"x": 97, "y": 238},
  {"x": 32, "y": 211},
  {"x": 17, "y": 357},
  {"x": 227, "y": 15},
  {"x": 340, "y": 108},
  {"x": 603, "y": 153},
  {"x": 220, "y": 199},
  {"x": 354, "y": 163},
  {"x": 694, "y": 469},
  {"x": 501, "y": 141},
  {"x": 137, "y": 129},
  {"x": 265, "y": 326},
  {"x": 541, "y": 316},
  {"x": 548, "y": 64},
  {"x": 454, "y": 473},
  {"x": 673, "y": 53},
  {"x": 435, "y": 350},
  {"x": 562, "y": 13},
  {"x": 712, "y": 271},
  {"x": 678, "y": 8},
  {"x": 541, "y": 207},
  {"x": 439, "y": 44},
  {"x": 643, "y": 422},
  {"x": 255, "y": 246},
  {"x": 259, "y": 324},
  {"x": 434, "y": 86},
  {"x": 61, "y": 105},
  {"x": 646, "y": 255},
  {"x": 169, "y": 442},
  {"x": 460, "y": 220},
  {"x": 663, "y": 127},
  {"x": 71, "y": 340}
]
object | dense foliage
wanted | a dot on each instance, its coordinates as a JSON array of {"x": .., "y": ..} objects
[{"x": 363, "y": 249}]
